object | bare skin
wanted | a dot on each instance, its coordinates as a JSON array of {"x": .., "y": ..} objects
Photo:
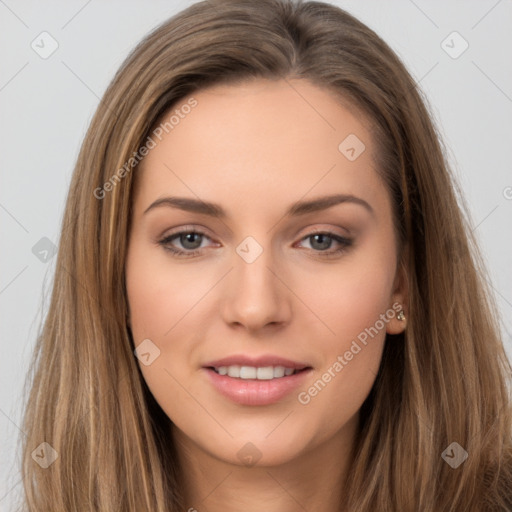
[{"x": 255, "y": 149}]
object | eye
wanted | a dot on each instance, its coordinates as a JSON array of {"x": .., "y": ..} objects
[
  {"x": 190, "y": 241},
  {"x": 321, "y": 243}
]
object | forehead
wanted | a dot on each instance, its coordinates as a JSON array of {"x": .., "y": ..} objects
[{"x": 261, "y": 141}]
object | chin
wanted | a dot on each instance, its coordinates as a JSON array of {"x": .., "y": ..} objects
[{"x": 260, "y": 449}]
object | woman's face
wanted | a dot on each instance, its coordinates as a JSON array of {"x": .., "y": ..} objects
[{"x": 270, "y": 284}]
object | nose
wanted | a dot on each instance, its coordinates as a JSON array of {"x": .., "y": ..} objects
[{"x": 255, "y": 294}]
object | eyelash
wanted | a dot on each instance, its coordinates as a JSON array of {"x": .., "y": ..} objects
[{"x": 345, "y": 243}]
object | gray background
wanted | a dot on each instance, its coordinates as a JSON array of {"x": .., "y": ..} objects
[{"x": 47, "y": 104}]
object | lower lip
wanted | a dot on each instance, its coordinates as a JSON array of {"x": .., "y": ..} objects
[{"x": 254, "y": 391}]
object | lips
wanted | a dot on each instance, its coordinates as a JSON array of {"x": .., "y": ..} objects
[{"x": 247, "y": 381}]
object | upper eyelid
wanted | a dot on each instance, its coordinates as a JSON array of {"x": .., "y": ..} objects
[{"x": 186, "y": 229}]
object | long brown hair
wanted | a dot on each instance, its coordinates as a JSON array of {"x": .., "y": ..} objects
[{"x": 444, "y": 380}]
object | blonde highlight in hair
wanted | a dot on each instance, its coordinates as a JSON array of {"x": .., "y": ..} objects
[{"x": 443, "y": 380}]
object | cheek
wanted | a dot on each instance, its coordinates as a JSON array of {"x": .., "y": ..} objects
[
  {"x": 159, "y": 301},
  {"x": 353, "y": 304},
  {"x": 351, "y": 298},
  {"x": 158, "y": 294},
  {"x": 167, "y": 303}
]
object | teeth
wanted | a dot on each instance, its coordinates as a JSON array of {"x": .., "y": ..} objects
[
  {"x": 251, "y": 372},
  {"x": 277, "y": 372},
  {"x": 234, "y": 371},
  {"x": 248, "y": 372}
]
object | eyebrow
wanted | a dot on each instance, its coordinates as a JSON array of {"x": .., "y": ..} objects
[{"x": 296, "y": 209}]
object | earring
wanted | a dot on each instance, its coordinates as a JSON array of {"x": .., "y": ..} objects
[{"x": 401, "y": 315}]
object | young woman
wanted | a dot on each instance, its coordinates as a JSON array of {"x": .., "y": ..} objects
[{"x": 266, "y": 295}]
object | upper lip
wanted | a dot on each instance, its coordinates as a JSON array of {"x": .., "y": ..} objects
[{"x": 258, "y": 362}]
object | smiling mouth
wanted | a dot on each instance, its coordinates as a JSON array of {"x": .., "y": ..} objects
[{"x": 256, "y": 373}]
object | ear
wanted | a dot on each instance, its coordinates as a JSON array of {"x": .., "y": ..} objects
[{"x": 399, "y": 302}]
